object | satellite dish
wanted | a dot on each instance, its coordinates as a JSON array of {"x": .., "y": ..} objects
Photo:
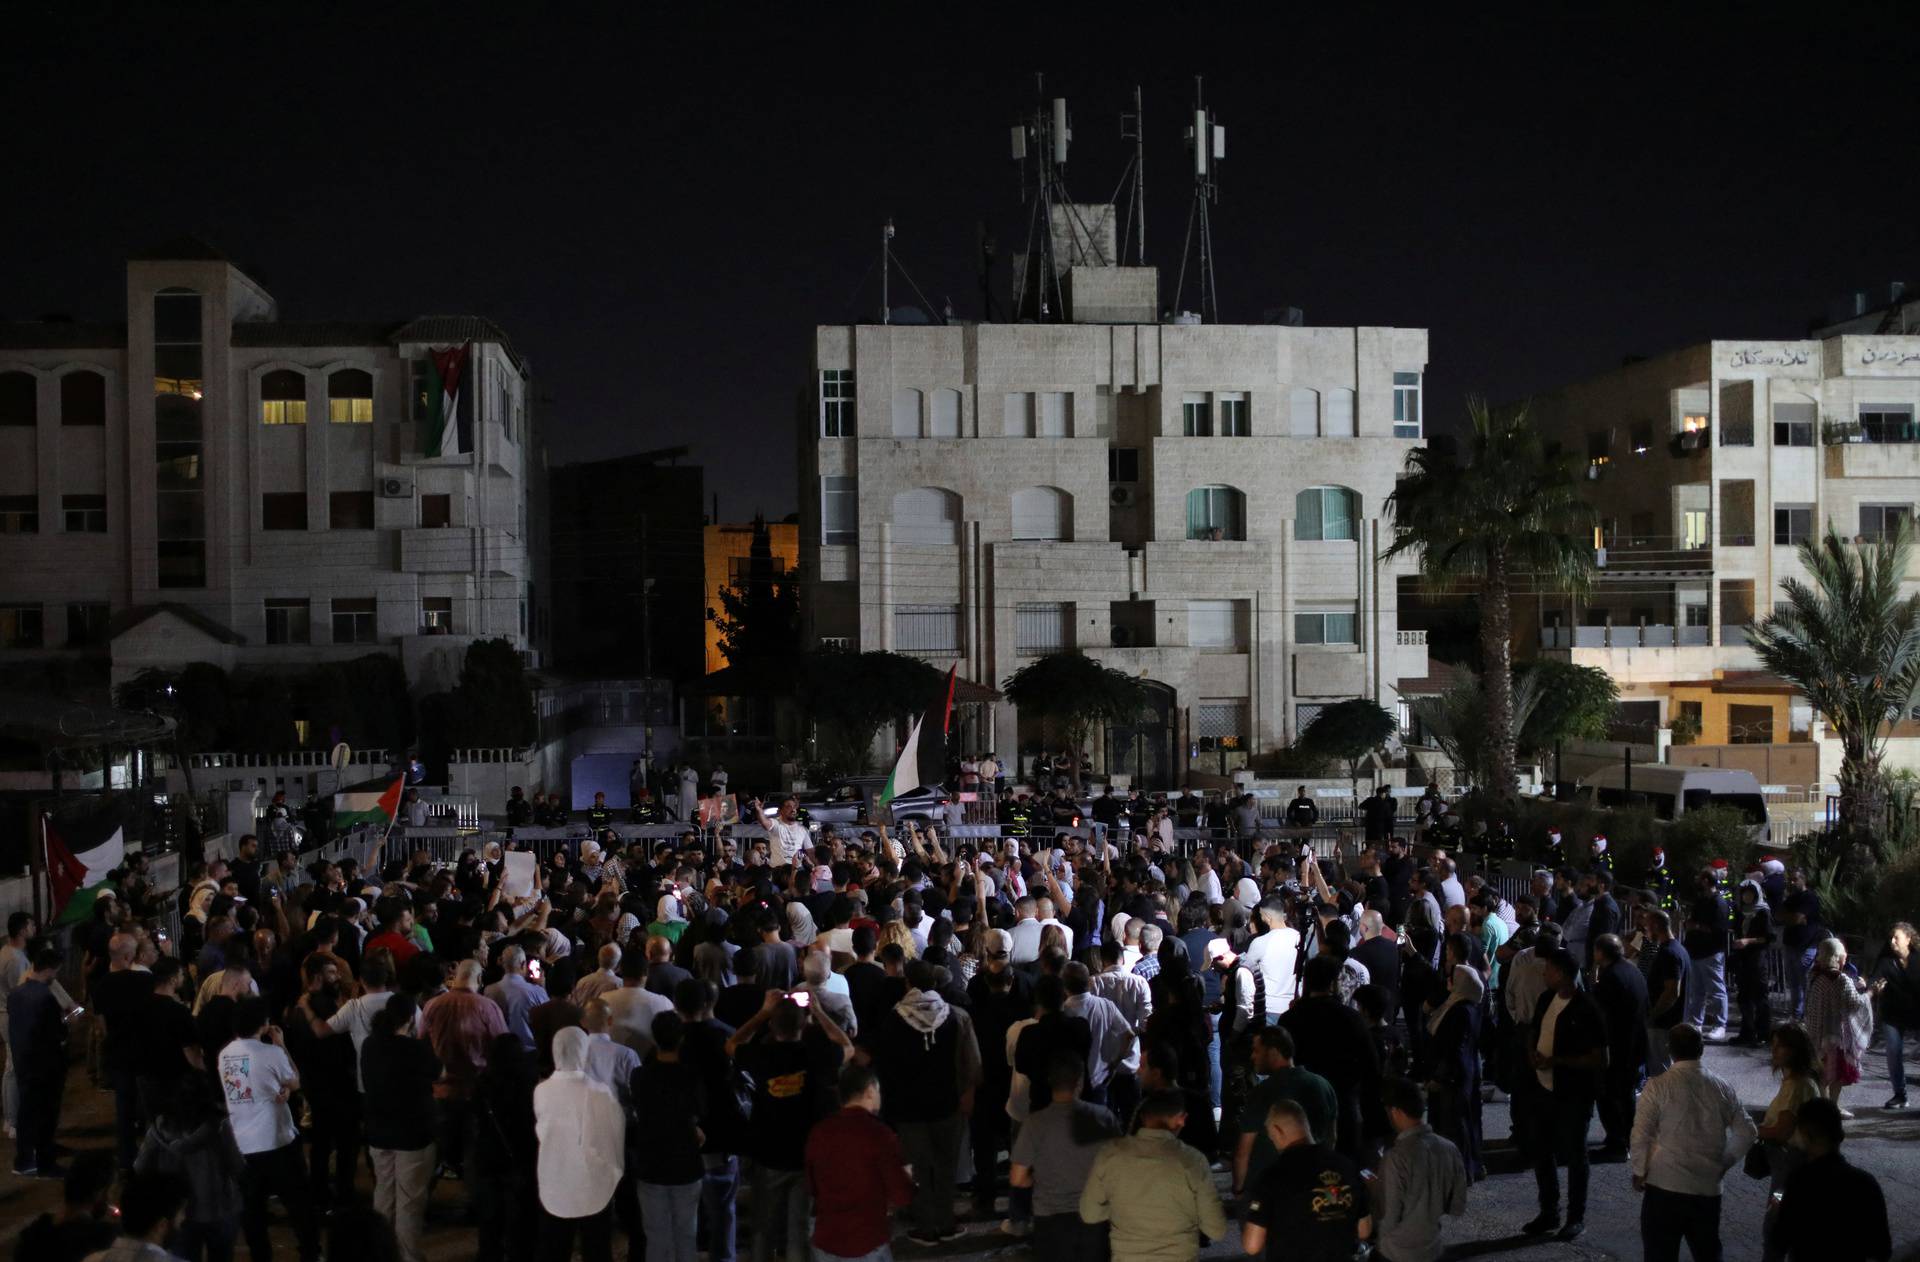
[{"x": 341, "y": 756}]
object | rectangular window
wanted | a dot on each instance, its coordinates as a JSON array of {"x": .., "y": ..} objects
[
  {"x": 1326, "y": 513},
  {"x": 1324, "y": 627},
  {"x": 1641, "y": 438},
  {"x": 1123, "y": 464},
  {"x": 926, "y": 628},
  {"x": 1793, "y": 424},
  {"x": 283, "y": 510},
  {"x": 1196, "y": 416},
  {"x": 83, "y": 399},
  {"x": 289, "y": 622},
  {"x": 354, "y": 621},
  {"x": 1878, "y": 520},
  {"x": 1693, "y": 528},
  {"x": 1016, "y": 415},
  {"x": 1042, "y": 627},
  {"x": 84, "y": 514},
  {"x": 283, "y": 411},
  {"x": 350, "y": 510},
  {"x": 436, "y": 615},
  {"x": 1233, "y": 416},
  {"x": 21, "y": 627},
  {"x": 87, "y": 624},
  {"x": 1749, "y": 725},
  {"x": 1304, "y": 413},
  {"x": 1304, "y": 715},
  {"x": 19, "y": 515},
  {"x": 836, "y": 403},
  {"x": 839, "y": 511},
  {"x": 350, "y": 411},
  {"x": 1056, "y": 412},
  {"x": 1220, "y": 725},
  {"x": 1888, "y": 423},
  {"x": 1792, "y": 524},
  {"x": 1406, "y": 405},
  {"x": 436, "y": 510},
  {"x": 1220, "y": 625},
  {"x": 1736, "y": 513}
]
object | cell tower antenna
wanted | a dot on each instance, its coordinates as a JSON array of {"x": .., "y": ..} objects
[
  {"x": 1133, "y": 127},
  {"x": 886, "y": 272},
  {"x": 1207, "y": 140},
  {"x": 1058, "y": 237}
]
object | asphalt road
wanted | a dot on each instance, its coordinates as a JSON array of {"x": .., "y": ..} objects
[{"x": 1887, "y": 1144}]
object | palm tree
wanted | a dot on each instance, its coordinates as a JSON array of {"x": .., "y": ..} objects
[
  {"x": 1500, "y": 509},
  {"x": 1851, "y": 642}
]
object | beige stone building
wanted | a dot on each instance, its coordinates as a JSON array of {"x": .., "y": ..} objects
[
  {"x": 1201, "y": 505},
  {"x": 1709, "y": 466}
]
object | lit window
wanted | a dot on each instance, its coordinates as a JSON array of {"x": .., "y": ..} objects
[
  {"x": 283, "y": 398},
  {"x": 1406, "y": 405},
  {"x": 1324, "y": 513},
  {"x": 21, "y": 627},
  {"x": 353, "y": 621},
  {"x": 84, "y": 514},
  {"x": 350, "y": 397},
  {"x": 19, "y": 515},
  {"x": 1324, "y": 627},
  {"x": 836, "y": 403},
  {"x": 289, "y": 622},
  {"x": 1693, "y": 528},
  {"x": 1233, "y": 416}
]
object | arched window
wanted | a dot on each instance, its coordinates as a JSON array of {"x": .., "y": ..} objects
[
  {"x": 1340, "y": 413},
  {"x": 18, "y": 404},
  {"x": 906, "y": 413},
  {"x": 1326, "y": 512},
  {"x": 283, "y": 398},
  {"x": 1042, "y": 512},
  {"x": 83, "y": 399},
  {"x": 946, "y": 414},
  {"x": 926, "y": 515},
  {"x": 1305, "y": 416},
  {"x": 350, "y": 397},
  {"x": 1216, "y": 512}
]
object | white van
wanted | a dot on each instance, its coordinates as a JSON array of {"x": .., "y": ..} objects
[{"x": 1673, "y": 791}]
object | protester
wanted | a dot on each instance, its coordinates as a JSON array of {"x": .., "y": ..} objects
[
  {"x": 399, "y": 1071},
  {"x": 1281, "y": 1079},
  {"x": 1793, "y": 1059},
  {"x": 1896, "y": 988},
  {"x": 929, "y": 1065},
  {"x": 1831, "y": 1211},
  {"x": 1621, "y": 993},
  {"x": 37, "y": 1059},
  {"x": 258, "y": 1078},
  {"x": 1668, "y": 983},
  {"x": 150, "y": 1206},
  {"x": 1311, "y": 1203},
  {"x": 582, "y": 1134},
  {"x": 666, "y": 1161},
  {"x": 1706, "y": 944},
  {"x": 1053, "y": 1155},
  {"x": 856, "y": 1173},
  {"x": 1688, "y": 1131},
  {"x": 1422, "y": 1179},
  {"x": 460, "y": 1026},
  {"x": 1155, "y": 1193},
  {"x": 83, "y": 1225},
  {"x": 1568, "y": 1053}
]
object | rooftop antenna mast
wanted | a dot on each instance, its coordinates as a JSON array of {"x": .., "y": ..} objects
[
  {"x": 1207, "y": 141},
  {"x": 1133, "y": 127},
  {"x": 1042, "y": 141},
  {"x": 886, "y": 272}
]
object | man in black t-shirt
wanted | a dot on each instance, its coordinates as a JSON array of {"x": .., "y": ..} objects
[
  {"x": 793, "y": 1074},
  {"x": 1311, "y": 1204},
  {"x": 118, "y": 997},
  {"x": 1666, "y": 989},
  {"x": 169, "y": 1046}
]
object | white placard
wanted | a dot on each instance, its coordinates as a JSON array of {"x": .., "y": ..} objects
[{"x": 518, "y": 881}]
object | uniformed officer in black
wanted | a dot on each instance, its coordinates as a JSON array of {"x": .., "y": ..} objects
[{"x": 599, "y": 815}]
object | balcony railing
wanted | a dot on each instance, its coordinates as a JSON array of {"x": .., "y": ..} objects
[
  {"x": 1410, "y": 639},
  {"x": 1654, "y": 636}
]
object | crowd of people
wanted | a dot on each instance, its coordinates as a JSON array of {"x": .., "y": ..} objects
[{"x": 825, "y": 1031}]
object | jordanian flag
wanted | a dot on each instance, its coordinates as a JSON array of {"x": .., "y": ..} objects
[
  {"x": 81, "y": 850},
  {"x": 358, "y": 806},
  {"x": 906, "y": 771},
  {"x": 442, "y": 433}
]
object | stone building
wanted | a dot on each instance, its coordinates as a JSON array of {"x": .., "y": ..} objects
[
  {"x": 1201, "y": 505},
  {"x": 207, "y": 481}
]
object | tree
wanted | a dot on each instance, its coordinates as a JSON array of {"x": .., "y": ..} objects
[
  {"x": 1073, "y": 690},
  {"x": 1851, "y": 643},
  {"x": 1349, "y": 730},
  {"x": 1457, "y": 721},
  {"x": 1504, "y": 511},
  {"x": 1576, "y": 703},
  {"x": 759, "y": 618},
  {"x": 849, "y": 695},
  {"x": 490, "y": 708}
]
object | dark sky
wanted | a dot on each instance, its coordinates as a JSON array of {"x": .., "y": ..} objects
[{"x": 659, "y": 212}]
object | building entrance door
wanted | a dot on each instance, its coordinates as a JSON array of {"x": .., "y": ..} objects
[{"x": 1143, "y": 749}]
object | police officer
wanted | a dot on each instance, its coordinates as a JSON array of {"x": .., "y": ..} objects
[
  {"x": 1303, "y": 811},
  {"x": 599, "y": 815},
  {"x": 1501, "y": 843},
  {"x": 1016, "y": 815},
  {"x": 1660, "y": 881}
]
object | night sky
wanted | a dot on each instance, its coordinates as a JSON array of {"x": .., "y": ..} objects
[{"x": 658, "y": 213}]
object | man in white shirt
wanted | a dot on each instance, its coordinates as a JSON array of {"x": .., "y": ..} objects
[
  {"x": 632, "y": 1008},
  {"x": 257, "y": 1077},
  {"x": 1273, "y": 957},
  {"x": 609, "y": 1063},
  {"x": 1206, "y": 880},
  {"x": 1452, "y": 893},
  {"x": 1035, "y": 915},
  {"x": 354, "y": 1018},
  {"x": 785, "y": 833},
  {"x": 1113, "y": 1049},
  {"x": 1689, "y": 1129}
]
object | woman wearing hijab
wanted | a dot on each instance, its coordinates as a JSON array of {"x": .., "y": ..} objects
[
  {"x": 1752, "y": 936},
  {"x": 1452, "y": 1057},
  {"x": 583, "y": 1136}
]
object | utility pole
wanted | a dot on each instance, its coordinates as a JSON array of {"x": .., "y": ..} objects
[{"x": 646, "y": 606}]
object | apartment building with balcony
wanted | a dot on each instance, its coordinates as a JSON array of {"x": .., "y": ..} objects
[
  {"x": 1709, "y": 466},
  {"x": 1203, "y": 506},
  {"x": 206, "y": 481}
]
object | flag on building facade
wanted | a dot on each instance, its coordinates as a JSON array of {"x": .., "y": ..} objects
[
  {"x": 357, "y": 806},
  {"x": 441, "y": 431},
  {"x": 906, "y": 769},
  {"x": 81, "y": 850}
]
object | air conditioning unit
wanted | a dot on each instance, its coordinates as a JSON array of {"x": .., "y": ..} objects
[
  {"x": 1122, "y": 637},
  {"x": 393, "y": 488},
  {"x": 1123, "y": 495}
]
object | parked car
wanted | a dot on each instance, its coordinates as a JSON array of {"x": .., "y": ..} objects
[
  {"x": 1672, "y": 791},
  {"x": 852, "y": 801}
]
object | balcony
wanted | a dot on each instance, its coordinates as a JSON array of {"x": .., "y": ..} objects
[
  {"x": 1863, "y": 458},
  {"x": 1634, "y": 557},
  {"x": 1693, "y": 442},
  {"x": 1647, "y": 637},
  {"x": 1651, "y": 654}
]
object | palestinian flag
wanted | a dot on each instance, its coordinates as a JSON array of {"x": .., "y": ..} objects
[
  {"x": 906, "y": 771},
  {"x": 442, "y": 432},
  {"x": 363, "y": 805},
  {"x": 81, "y": 850},
  {"x": 937, "y": 727}
]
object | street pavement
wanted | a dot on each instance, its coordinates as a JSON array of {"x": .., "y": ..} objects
[{"x": 1887, "y": 1144}]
